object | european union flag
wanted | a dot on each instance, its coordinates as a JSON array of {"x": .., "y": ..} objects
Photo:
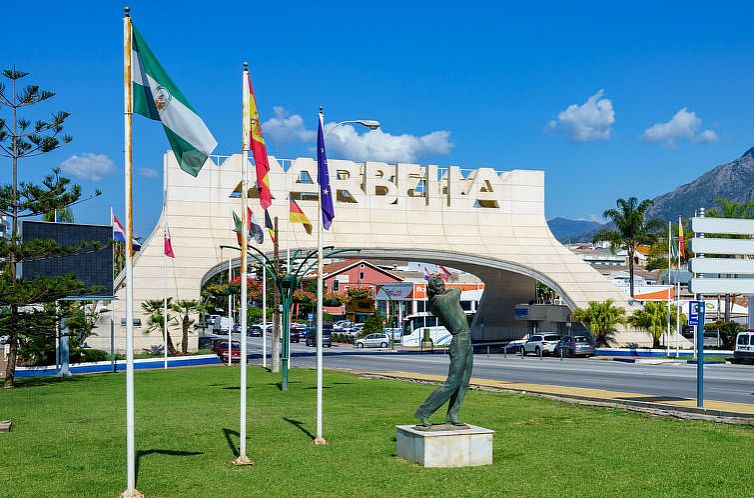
[{"x": 323, "y": 178}]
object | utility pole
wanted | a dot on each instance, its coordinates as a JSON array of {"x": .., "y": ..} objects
[{"x": 276, "y": 304}]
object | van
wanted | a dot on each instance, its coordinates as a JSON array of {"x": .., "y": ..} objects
[
  {"x": 744, "y": 352},
  {"x": 222, "y": 324}
]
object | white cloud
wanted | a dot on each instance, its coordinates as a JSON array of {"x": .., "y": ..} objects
[
  {"x": 284, "y": 128},
  {"x": 147, "y": 172},
  {"x": 376, "y": 145},
  {"x": 345, "y": 142},
  {"x": 89, "y": 166},
  {"x": 684, "y": 124},
  {"x": 587, "y": 122}
]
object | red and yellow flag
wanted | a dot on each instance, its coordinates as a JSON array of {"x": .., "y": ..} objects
[
  {"x": 298, "y": 216},
  {"x": 254, "y": 140},
  {"x": 681, "y": 243}
]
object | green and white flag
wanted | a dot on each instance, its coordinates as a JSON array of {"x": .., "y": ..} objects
[{"x": 155, "y": 96}]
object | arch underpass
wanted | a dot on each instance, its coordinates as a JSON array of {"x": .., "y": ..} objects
[{"x": 482, "y": 221}]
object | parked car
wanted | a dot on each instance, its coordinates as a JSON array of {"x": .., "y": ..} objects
[
  {"x": 236, "y": 328},
  {"x": 744, "y": 352},
  {"x": 220, "y": 346},
  {"x": 206, "y": 342},
  {"x": 256, "y": 330},
  {"x": 513, "y": 346},
  {"x": 222, "y": 324},
  {"x": 575, "y": 346},
  {"x": 541, "y": 342},
  {"x": 341, "y": 325},
  {"x": 373, "y": 341},
  {"x": 311, "y": 336}
]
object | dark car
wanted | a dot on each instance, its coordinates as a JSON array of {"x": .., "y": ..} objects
[
  {"x": 220, "y": 346},
  {"x": 311, "y": 335},
  {"x": 297, "y": 332},
  {"x": 575, "y": 346},
  {"x": 206, "y": 342}
]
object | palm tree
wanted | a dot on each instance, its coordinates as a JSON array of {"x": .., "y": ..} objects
[
  {"x": 602, "y": 320},
  {"x": 731, "y": 209},
  {"x": 631, "y": 231},
  {"x": 185, "y": 308},
  {"x": 653, "y": 318},
  {"x": 155, "y": 321}
]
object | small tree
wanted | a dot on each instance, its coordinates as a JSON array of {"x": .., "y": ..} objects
[
  {"x": 156, "y": 321},
  {"x": 602, "y": 320},
  {"x": 372, "y": 325},
  {"x": 653, "y": 318},
  {"x": 185, "y": 308}
]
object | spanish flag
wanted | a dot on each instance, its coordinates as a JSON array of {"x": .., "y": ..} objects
[
  {"x": 298, "y": 216},
  {"x": 254, "y": 140},
  {"x": 681, "y": 243}
]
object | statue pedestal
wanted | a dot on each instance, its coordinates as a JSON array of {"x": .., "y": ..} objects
[{"x": 445, "y": 448}]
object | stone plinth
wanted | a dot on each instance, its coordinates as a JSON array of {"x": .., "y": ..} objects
[{"x": 446, "y": 448}]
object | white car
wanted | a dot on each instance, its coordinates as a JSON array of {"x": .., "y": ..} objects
[
  {"x": 373, "y": 341},
  {"x": 541, "y": 342}
]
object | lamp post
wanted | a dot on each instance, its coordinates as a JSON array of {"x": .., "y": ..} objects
[
  {"x": 369, "y": 123},
  {"x": 393, "y": 318},
  {"x": 287, "y": 283}
]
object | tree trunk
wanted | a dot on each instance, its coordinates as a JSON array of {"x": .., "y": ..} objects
[
  {"x": 184, "y": 343},
  {"x": 631, "y": 269},
  {"x": 10, "y": 368},
  {"x": 171, "y": 347}
]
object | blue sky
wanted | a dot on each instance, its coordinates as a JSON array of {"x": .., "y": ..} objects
[{"x": 591, "y": 93}]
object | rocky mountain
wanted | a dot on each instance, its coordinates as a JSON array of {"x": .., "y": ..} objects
[
  {"x": 733, "y": 181},
  {"x": 566, "y": 230}
]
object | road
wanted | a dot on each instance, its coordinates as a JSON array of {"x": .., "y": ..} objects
[{"x": 734, "y": 383}]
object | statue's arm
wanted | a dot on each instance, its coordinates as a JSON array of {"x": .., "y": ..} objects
[{"x": 454, "y": 293}]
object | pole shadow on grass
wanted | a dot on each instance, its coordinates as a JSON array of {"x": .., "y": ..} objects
[
  {"x": 300, "y": 426},
  {"x": 228, "y": 433},
  {"x": 142, "y": 453}
]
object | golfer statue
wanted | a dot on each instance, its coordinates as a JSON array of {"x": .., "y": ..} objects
[{"x": 446, "y": 305}]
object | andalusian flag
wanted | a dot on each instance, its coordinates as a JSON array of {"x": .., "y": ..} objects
[
  {"x": 298, "y": 216},
  {"x": 254, "y": 140},
  {"x": 155, "y": 96},
  {"x": 681, "y": 242}
]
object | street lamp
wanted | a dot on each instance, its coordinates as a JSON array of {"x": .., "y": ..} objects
[{"x": 369, "y": 123}]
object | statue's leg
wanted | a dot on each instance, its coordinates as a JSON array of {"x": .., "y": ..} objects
[
  {"x": 435, "y": 401},
  {"x": 456, "y": 398}
]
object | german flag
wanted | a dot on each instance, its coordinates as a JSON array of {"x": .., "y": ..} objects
[{"x": 298, "y": 216}]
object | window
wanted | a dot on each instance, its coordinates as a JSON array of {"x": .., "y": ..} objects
[
  {"x": 362, "y": 275},
  {"x": 743, "y": 339},
  {"x": 552, "y": 338}
]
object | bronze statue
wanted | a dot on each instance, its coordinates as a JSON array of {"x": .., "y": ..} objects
[{"x": 446, "y": 305}]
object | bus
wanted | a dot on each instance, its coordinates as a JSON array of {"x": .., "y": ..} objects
[{"x": 415, "y": 325}]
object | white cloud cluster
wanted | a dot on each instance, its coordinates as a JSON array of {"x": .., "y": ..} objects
[
  {"x": 588, "y": 122},
  {"x": 376, "y": 145},
  {"x": 88, "y": 166},
  {"x": 284, "y": 128},
  {"x": 149, "y": 173},
  {"x": 683, "y": 125},
  {"x": 345, "y": 141}
]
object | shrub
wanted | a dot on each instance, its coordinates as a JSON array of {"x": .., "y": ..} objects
[{"x": 94, "y": 355}]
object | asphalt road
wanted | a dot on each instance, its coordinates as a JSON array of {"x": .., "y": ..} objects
[{"x": 733, "y": 383}]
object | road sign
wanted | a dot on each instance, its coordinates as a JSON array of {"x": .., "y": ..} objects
[
  {"x": 694, "y": 307},
  {"x": 309, "y": 317},
  {"x": 713, "y": 245},
  {"x": 721, "y": 286}
]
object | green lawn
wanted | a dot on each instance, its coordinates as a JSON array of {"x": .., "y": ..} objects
[{"x": 69, "y": 440}]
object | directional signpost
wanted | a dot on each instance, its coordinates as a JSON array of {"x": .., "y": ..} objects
[{"x": 736, "y": 267}]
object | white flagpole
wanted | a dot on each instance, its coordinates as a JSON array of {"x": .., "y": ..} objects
[
  {"x": 230, "y": 310},
  {"x": 319, "y": 439},
  {"x": 670, "y": 241},
  {"x": 246, "y": 132},
  {"x": 130, "y": 491},
  {"x": 678, "y": 295},
  {"x": 164, "y": 297},
  {"x": 264, "y": 316},
  {"x": 288, "y": 259}
]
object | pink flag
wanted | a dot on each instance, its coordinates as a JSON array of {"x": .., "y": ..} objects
[
  {"x": 444, "y": 272},
  {"x": 168, "y": 245}
]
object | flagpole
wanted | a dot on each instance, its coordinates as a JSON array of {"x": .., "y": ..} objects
[
  {"x": 264, "y": 316},
  {"x": 245, "y": 121},
  {"x": 319, "y": 439},
  {"x": 230, "y": 310},
  {"x": 670, "y": 239},
  {"x": 164, "y": 270},
  {"x": 678, "y": 296},
  {"x": 130, "y": 491},
  {"x": 288, "y": 259}
]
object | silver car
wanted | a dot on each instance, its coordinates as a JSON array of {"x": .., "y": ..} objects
[
  {"x": 575, "y": 346},
  {"x": 373, "y": 341}
]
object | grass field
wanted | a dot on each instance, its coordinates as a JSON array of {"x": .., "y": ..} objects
[{"x": 69, "y": 440}]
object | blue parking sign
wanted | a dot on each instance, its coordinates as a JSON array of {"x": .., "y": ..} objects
[
  {"x": 309, "y": 317},
  {"x": 694, "y": 309}
]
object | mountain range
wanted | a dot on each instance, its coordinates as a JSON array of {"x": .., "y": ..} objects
[{"x": 733, "y": 181}]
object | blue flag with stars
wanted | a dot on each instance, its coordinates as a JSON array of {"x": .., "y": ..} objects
[{"x": 323, "y": 178}]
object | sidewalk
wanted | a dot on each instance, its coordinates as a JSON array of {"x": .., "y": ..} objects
[{"x": 600, "y": 396}]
